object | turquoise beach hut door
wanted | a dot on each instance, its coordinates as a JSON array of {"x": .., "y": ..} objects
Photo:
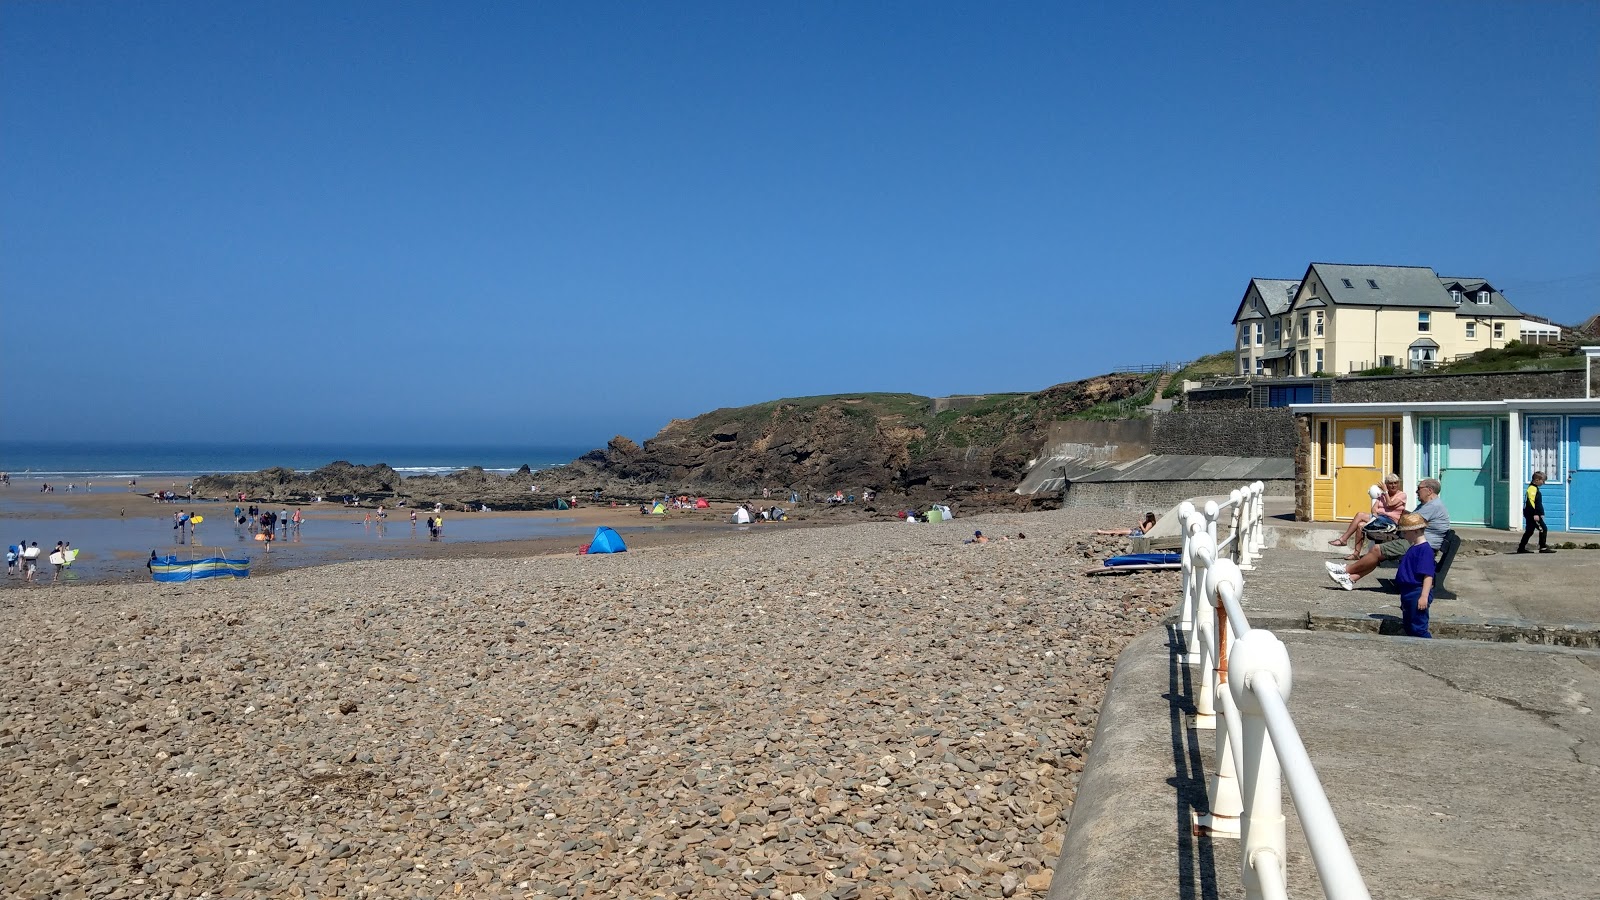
[
  {"x": 1583, "y": 478},
  {"x": 1466, "y": 470}
]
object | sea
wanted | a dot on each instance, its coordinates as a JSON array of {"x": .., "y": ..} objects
[
  {"x": 116, "y": 546},
  {"x": 79, "y": 461}
]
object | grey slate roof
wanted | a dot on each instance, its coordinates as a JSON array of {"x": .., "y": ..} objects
[
  {"x": 1412, "y": 287},
  {"x": 1277, "y": 293},
  {"x": 1497, "y": 306}
]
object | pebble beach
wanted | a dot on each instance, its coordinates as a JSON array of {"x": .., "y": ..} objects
[{"x": 867, "y": 710}]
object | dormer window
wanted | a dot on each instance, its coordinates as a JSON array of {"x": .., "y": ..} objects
[
  {"x": 1483, "y": 298},
  {"x": 1347, "y": 282},
  {"x": 1455, "y": 294}
]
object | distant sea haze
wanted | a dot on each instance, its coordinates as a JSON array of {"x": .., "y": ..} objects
[{"x": 76, "y": 461}]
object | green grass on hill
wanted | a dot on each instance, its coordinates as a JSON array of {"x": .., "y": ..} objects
[
  {"x": 1214, "y": 365},
  {"x": 1516, "y": 356}
]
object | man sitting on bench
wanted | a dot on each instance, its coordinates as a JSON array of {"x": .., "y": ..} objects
[{"x": 1429, "y": 507}]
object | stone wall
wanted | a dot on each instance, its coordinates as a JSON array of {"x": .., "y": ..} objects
[
  {"x": 1116, "y": 440},
  {"x": 1205, "y": 399},
  {"x": 1486, "y": 386},
  {"x": 1154, "y": 496},
  {"x": 1302, "y": 466},
  {"x": 1225, "y": 432}
]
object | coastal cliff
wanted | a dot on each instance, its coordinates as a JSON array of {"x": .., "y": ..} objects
[{"x": 974, "y": 448}]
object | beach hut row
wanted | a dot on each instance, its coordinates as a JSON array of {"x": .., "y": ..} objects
[{"x": 1482, "y": 452}]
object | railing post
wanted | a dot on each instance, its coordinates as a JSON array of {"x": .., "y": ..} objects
[
  {"x": 1258, "y": 528},
  {"x": 1211, "y": 520},
  {"x": 1260, "y": 663},
  {"x": 1205, "y": 709},
  {"x": 1242, "y": 524},
  {"x": 1186, "y": 613},
  {"x": 1224, "y": 803}
]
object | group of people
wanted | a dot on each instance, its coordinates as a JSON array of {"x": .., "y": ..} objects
[
  {"x": 23, "y": 558},
  {"x": 1420, "y": 535}
]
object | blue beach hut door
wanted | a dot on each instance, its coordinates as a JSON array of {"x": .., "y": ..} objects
[
  {"x": 1583, "y": 478},
  {"x": 1466, "y": 470}
]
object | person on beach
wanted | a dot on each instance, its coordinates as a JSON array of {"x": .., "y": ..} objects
[
  {"x": 11, "y": 560},
  {"x": 1414, "y": 578},
  {"x": 1431, "y": 509},
  {"x": 1533, "y": 516},
  {"x": 30, "y": 562},
  {"x": 58, "y": 561},
  {"x": 1143, "y": 528},
  {"x": 150, "y": 564},
  {"x": 977, "y": 538},
  {"x": 1387, "y": 506}
]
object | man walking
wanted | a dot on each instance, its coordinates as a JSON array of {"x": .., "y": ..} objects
[
  {"x": 1429, "y": 507},
  {"x": 1533, "y": 516}
]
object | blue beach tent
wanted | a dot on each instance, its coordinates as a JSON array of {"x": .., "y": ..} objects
[{"x": 607, "y": 540}]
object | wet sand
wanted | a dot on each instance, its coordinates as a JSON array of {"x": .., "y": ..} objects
[{"x": 116, "y": 530}]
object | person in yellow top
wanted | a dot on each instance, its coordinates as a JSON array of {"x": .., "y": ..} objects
[{"x": 1533, "y": 516}]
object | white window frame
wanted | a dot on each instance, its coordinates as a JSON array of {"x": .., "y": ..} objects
[
  {"x": 1424, "y": 321},
  {"x": 1261, "y": 331},
  {"x": 1305, "y": 324},
  {"x": 1319, "y": 323},
  {"x": 1455, "y": 295},
  {"x": 1499, "y": 331},
  {"x": 1305, "y": 360},
  {"x": 1318, "y": 367},
  {"x": 1483, "y": 298},
  {"x": 1472, "y": 331},
  {"x": 1547, "y": 459},
  {"x": 1277, "y": 331}
]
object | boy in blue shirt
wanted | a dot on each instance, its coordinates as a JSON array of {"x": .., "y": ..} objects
[{"x": 1415, "y": 576}]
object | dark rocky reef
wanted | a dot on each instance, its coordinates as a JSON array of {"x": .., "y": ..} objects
[{"x": 908, "y": 448}]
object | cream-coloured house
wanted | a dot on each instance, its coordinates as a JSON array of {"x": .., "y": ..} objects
[{"x": 1339, "y": 318}]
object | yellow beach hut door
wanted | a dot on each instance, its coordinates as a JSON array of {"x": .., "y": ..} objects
[{"x": 1359, "y": 467}]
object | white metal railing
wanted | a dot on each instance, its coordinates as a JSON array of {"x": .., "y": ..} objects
[
  {"x": 1247, "y": 684},
  {"x": 1245, "y": 510}
]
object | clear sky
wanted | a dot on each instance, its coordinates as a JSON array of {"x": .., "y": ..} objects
[{"x": 552, "y": 223}]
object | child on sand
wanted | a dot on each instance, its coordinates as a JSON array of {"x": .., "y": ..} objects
[{"x": 1415, "y": 576}]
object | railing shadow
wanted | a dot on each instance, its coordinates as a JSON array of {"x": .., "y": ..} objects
[{"x": 1197, "y": 870}]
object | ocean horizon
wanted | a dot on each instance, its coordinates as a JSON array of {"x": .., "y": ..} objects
[{"x": 91, "y": 461}]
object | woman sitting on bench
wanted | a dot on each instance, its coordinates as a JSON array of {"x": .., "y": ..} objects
[{"x": 1389, "y": 504}]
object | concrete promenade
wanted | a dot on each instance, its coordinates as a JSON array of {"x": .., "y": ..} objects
[{"x": 1459, "y": 768}]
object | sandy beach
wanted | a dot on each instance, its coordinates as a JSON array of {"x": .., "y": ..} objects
[{"x": 870, "y": 710}]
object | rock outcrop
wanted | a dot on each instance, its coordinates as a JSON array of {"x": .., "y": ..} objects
[{"x": 894, "y": 444}]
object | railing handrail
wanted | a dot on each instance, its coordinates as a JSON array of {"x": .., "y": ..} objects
[{"x": 1246, "y": 679}]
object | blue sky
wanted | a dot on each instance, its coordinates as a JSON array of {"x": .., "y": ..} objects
[{"x": 552, "y": 223}]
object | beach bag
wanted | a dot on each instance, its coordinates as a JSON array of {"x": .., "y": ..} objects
[{"x": 1380, "y": 529}]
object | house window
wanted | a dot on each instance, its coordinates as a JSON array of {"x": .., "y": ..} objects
[
  {"x": 1483, "y": 298},
  {"x": 1423, "y": 358},
  {"x": 1260, "y": 330},
  {"x": 1499, "y": 331},
  {"x": 1372, "y": 284},
  {"x": 1261, "y": 366},
  {"x": 1305, "y": 322},
  {"x": 1319, "y": 323},
  {"x": 1347, "y": 282},
  {"x": 1305, "y": 360},
  {"x": 1544, "y": 446},
  {"x": 1322, "y": 449},
  {"x": 1319, "y": 362},
  {"x": 1424, "y": 321},
  {"x": 1455, "y": 294},
  {"x": 1244, "y": 335},
  {"x": 1472, "y": 331},
  {"x": 1277, "y": 331}
]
